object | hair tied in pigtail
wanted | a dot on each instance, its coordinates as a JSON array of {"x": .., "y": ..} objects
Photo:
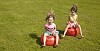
[
  {"x": 50, "y": 14},
  {"x": 74, "y": 8}
]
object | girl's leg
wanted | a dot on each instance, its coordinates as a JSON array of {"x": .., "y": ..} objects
[
  {"x": 80, "y": 30},
  {"x": 57, "y": 39},
  {"x": 66, "y": 30},
  {"x": 44, "y": 43}
]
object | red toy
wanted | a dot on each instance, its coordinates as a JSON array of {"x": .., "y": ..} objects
[
  {"x": 50, "y": 40},
  {"x": 72, "y": 31}
]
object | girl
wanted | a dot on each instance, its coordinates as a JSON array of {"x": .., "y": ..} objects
[
  {"x": 50, "y": 28},
  {"x": 72, "y": 20}
]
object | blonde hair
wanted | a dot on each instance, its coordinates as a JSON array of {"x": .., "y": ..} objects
[{"x": 50, "y": 14}]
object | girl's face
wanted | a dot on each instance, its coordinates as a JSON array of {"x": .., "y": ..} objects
[
  {"x": 50, "y": 20},
  {"x": 73, "y": 13}
]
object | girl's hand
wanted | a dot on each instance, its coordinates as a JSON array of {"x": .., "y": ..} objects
[{"x": 53, "y": 33}]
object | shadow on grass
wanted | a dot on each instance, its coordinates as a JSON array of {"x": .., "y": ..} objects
[
  {"x": 78, "y": 37},
  {"x": 35, "y": 36},
  {"x": 60, "y": 33}
]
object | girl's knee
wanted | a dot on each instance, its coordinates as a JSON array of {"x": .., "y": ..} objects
[
  {"x": 45, "y": 34},
  {"x": 68, "y": 26},
  {"x": 57, "y": 32},
  {"x": 77, "y": 26},
  {"x": 56, "y": 35}
]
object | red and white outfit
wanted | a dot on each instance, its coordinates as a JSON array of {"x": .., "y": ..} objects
[
  {"x": 72, "y": 24},
  {"x": 72, "y": 20}
]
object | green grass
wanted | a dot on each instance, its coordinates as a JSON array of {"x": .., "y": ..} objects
[{"x": 22, "y": 23}]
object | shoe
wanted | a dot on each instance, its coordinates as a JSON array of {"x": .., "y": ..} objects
[
  {"x": 43, "y": 45},
  {"x": 82, "y": 36},
  {"x": 63, "y": 36},
  {"x": 55, "y": 46}
]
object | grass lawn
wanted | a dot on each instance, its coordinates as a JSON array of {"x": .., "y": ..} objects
[{"x": 22, "y": 23}]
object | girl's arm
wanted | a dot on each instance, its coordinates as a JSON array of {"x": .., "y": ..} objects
[
  {"x": 45, "y": 27},
  {"x": 76, "y": 17},
  {"x": 54, "y": 29},
  {"x": 69, "y": 17}
]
